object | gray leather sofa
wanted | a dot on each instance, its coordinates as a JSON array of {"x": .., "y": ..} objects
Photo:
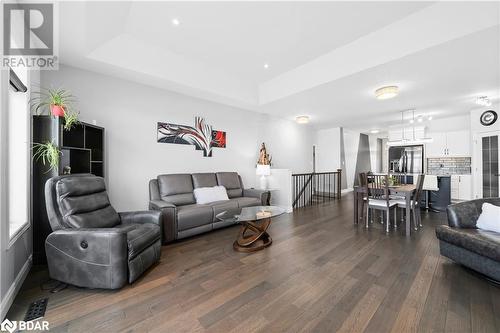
[
  {"x": 465, "y": 244},
  {"x": 91, "y": 244},
  {"x": 182, "y": 217}
]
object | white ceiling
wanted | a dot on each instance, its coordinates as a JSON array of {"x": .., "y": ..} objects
[{"x": 325, "y": 58}]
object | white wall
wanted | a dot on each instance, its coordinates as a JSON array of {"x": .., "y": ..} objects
[
  {"x": 328, "y": 149},
  {"x": 129, "y": 112},
  {"x": 351, "y": 145},
  {"x": 476, "y": 129},
  {"x": 449, "y": 124}
]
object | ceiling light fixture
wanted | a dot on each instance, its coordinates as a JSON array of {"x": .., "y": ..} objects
[
  {"x": 386, "y": 92},
  {"x": 429, "y": 118},
  {"x": 408, "y": 142},
  {"x": 374, "y": 131},
  {"x": 302, "y": 119},
  {"x": 176, "y": 22},
  {"x": 420, "y": 119},
  {"x": 266, "y": 66},
  {"x": 483, "y": 101}
]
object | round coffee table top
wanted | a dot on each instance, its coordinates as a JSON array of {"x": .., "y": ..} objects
[{"x": 254, "y": 213}]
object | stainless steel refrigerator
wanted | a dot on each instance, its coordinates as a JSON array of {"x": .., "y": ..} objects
[{"x": 406, "y": 159}]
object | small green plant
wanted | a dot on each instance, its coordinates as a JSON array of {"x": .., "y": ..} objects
[
  {"x": 70, "y": 119},
  {"x": 48, "y": 153}
]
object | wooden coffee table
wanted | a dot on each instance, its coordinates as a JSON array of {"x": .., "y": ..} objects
[{"x": 254, "y": 223}]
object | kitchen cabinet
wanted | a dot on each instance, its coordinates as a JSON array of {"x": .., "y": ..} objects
[
  {"x": 449, "y": 144},
  {"x": 461, "y": 187}
]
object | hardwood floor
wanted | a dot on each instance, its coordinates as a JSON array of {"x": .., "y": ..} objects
[{"x": 322, "y": 274}]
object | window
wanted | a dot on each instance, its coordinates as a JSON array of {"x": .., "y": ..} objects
[{"x": 18, "y": 156}]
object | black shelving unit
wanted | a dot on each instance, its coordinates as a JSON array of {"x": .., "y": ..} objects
[{"x": 82, "y": 150}]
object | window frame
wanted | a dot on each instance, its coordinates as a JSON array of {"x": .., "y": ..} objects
[{"x": 22, "y": 228}]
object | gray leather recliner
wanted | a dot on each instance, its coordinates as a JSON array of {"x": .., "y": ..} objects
[
  {"x": 465, "y": 244},
  {"x": 91, "y": 244},
  {"x": 173, "y": 195}
]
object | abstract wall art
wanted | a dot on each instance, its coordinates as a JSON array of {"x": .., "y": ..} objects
[{"x": 202, "y": 136}]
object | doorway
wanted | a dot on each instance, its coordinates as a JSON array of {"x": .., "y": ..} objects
[{"x": 486, "y": 171}]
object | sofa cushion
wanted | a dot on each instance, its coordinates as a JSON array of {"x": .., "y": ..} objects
[
  {"x": 248, "y": 202},
  {"x": 231, "y": 181},
  {"x": 221, "y": 206},
  {"x": 84, "y": 203},
  {"x": 204, "y": 180},
  {"x": 140, "y": 236},
  {"x": 176, "y": 188},
  {"x": 204, "y": 195},
  {"x": 190, "y": 216},
  {"x": 482, "y": 242},
  {"x": 489, "y": 218}
]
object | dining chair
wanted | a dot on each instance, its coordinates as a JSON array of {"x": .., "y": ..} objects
[
  {"x": 377, "y": 188},
  {"x": 414, "y": 203},
  {"x": 362, "y": 194}
]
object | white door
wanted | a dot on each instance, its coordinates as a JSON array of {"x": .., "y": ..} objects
[
  {"x": 486, "y": 164},
  {"x": 464, "y": 187},
  {"x": 458, "y": 144},
  {"x": 455, "y": 187}
]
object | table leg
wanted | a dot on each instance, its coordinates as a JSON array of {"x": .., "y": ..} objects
[
  {"x": 408, "y": 212},
  {"x": 356, "y": 207}
]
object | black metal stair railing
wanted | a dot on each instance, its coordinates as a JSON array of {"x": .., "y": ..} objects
[{"x": 315, "y": 188}]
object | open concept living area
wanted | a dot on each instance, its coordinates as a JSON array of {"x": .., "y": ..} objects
[{"x": 250, "y": 166}]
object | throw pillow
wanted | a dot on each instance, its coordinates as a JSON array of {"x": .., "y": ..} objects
[
  {"x": 205, "y": 195},
  {"x": 489, "y": 218}
]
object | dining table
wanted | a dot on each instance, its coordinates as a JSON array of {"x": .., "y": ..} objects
[{"x": 403, "y": 190}]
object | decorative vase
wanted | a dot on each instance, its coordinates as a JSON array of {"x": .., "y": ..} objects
[{"x": 57, "y": 110}]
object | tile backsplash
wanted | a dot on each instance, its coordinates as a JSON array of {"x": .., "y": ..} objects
[{"x": 449, "y": 166}]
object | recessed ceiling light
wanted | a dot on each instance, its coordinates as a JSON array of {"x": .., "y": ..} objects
[
  {"x": 374, "y": 131},
  {"x": 266, "y": 66},
  {"x": 302, "y": 119},
  {"x": 176, "y": 22},
  {"x": 429, "y": 118},
  {"x": 386, "y": 92},
  {"x": 420, "y": 119},
  {"x": 483, "y": 100}
]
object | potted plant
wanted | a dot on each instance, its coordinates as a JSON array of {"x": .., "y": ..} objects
[
  {"x": 48, "y": 153},
  {"x": 70, "y": 119},
  {"x": 57, "y": 102}
]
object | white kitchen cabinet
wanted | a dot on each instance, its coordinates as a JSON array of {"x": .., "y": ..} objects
[
  {"x": 449, "y": 144},
  {"x": 461, "y": 187},
  {"x": 437, "y": 147},
  {"x": 458, "y": 143}
]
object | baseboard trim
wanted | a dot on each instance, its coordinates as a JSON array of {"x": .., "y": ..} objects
[
  {"x": 14, "y": 288},
  {"x": 346, "y": 190}
]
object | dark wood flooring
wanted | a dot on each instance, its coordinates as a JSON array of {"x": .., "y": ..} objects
[{"x": 322, "y": 274}]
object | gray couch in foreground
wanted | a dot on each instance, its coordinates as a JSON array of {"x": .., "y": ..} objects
[
  {"x": 91, "y": 244},
  {"x": 172, "y": 194},
  {"x": 465, "y": 244}
]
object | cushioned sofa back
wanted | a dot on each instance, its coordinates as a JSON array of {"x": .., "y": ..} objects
[
  {"x": 204, "y": 180},
  {"x": 176, "y": 189},
  {"x": 84, "y": 203},
  {"x": 465, "y": 214},
  {"x": 232, "y": 182}
]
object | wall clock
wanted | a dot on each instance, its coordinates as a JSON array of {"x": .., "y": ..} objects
[{"x": 488, "y": 118}]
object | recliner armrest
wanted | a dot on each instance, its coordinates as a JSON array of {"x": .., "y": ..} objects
[
  {"x": 96, "y": 258},
  {"x": 160, "y": 204},
  {"x": 169, "y": 219},
  {"x": 146, "y": 216},
  {"x": 263, "y": 195}
]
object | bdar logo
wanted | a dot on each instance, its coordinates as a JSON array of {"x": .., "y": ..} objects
[{"x": 8, "y": 326}]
